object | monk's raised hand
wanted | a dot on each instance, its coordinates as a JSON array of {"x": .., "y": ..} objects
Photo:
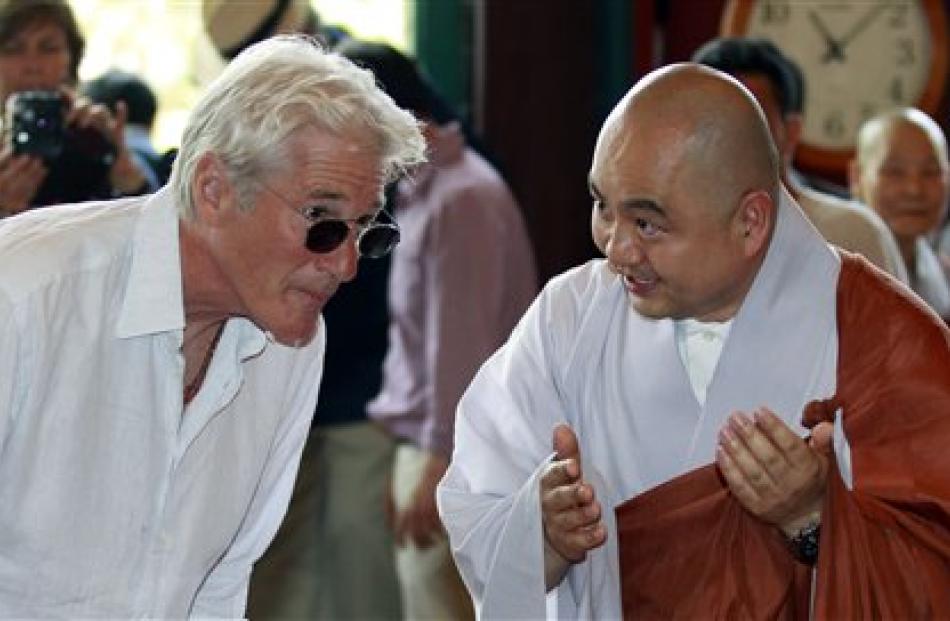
[
  {"x": 569, "y": 508},
  {"x": 773, "y": 473}
]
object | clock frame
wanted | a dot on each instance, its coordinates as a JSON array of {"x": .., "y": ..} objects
[{"x": 834, "y": 161}]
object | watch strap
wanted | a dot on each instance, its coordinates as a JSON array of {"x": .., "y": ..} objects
[{"x": 804, "y": 544}]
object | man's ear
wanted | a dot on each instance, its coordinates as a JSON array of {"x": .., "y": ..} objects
[
  {"x": 754, "y": 219},
  {"x": 211, "y": 188}
]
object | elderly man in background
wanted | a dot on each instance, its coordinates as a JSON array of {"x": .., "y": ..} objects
[
  {"x": 158, "y": 354},
  {"x": 902, "y": 173},
  {"x": 674, "y": 383}
]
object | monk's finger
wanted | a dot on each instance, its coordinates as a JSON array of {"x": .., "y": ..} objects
[
  {"x": 574, "y": 545},
  {"x": 747, "y": 465},
  {"x": 565, "y": 444},
  {"x": 572, "y": 518},
  {"x": 774, "y": 428},
  {"x": 559, "y": 473},
  {"x": 737, "y": 482},
  {"x": 566, "y": 497},
  {"x": 767, "y": 455}
]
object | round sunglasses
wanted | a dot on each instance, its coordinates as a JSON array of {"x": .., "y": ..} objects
[{"x": 374, "y": 239}]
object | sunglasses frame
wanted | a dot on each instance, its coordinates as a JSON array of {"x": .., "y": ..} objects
[{"x": 371, "y": 227}]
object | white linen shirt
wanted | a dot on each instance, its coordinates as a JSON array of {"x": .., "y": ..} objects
[{"x": 113, "y": 501}]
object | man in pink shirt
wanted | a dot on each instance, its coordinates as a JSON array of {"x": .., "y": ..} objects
[{"x": 462, "y": 278}]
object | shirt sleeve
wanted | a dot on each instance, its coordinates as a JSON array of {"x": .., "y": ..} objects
[
  {"x": 224, "y": 592},
  {"x": 12, "y": 367},
  {"x": 489, "y": 498},
  {"x": 466, "y": 282}
]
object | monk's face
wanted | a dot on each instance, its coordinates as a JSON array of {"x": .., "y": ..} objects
[
  {"x": 906, "y": 181},
  {"x": 661, "y": 222}
]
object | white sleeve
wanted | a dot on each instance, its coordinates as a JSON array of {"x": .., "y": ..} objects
[
  {"x": 489, "y": 498},
  {"x": 10, "y": 368},
  {"x": 224, "y": 592}
]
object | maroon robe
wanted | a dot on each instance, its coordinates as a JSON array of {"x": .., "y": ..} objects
[{"x": 689, "y": 550}]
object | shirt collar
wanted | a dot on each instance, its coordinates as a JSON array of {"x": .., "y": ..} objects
[{"x": 153, "y": 294}]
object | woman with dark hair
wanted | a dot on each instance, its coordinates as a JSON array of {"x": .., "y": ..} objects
[{"x": 40, "y": 51}]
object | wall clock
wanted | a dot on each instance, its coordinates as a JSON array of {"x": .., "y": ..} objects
[{"x": 859, "y": 58}]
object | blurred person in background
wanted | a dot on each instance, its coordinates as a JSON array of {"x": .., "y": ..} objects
[
  {"x": 779, "y": 87},
  {"x": 461, "y": 280},
  {"x": 40, "y": 50},
  {"x": 115, "y": 86},
  {"x": 232, "y": 25},
  {"x": 901, "y": 172}
]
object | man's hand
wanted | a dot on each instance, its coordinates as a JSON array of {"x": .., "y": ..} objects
[
  {"x": 570, "y": 511},
  {"x": 124, "y": 176},
  {"x": 776, "y": 475},
  {"x": 419, "y": 520},
  {"x": 20, "y": 179}
]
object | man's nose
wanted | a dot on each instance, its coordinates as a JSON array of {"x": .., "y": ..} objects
[
  {"x": 913, "y": 183},
  {"x": 623, "y": 246},
  {"x": 346, "y": 258}
]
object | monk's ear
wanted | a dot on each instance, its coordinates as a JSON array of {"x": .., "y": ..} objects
[
  {"x": 211, "y": 189},
  {"x": 754, "y": 220}
]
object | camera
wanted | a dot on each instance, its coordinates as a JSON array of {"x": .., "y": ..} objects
[
  {"x": 36, "y": 123},
  {"x": 78, "y": 159},
  {"x": 37, "y": 127}
]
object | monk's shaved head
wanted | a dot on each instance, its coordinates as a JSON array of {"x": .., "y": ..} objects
[
  {"x": 704, "y": 128},
  {"x": 685, "y": 182}
]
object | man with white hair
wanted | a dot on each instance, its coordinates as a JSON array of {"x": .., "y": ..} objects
[
  {"x": 902, "y": 173},
  {"x": 158, "y": 354}
]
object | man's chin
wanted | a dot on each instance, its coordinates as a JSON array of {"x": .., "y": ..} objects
[{"x": 296, "y": 337}]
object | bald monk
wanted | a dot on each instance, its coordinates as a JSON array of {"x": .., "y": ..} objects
[{"x": 668, "y": 383}]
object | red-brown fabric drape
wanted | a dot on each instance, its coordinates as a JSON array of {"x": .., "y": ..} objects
[{"x": 688, "y": 550}]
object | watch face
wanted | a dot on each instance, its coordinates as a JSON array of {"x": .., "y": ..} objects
[{"x": 859, "y": 58}]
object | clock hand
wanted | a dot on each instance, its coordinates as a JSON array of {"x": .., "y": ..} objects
[
  {"x": 863, "y": 23},
  {"x": 834, "y": 50}
]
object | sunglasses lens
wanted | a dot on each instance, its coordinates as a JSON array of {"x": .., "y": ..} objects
[
  {"x": 378, "y": 240},
  {"x": 326, "y": 236}
]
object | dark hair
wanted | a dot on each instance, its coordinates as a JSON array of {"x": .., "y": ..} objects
[
  {"x": 17, "y": 15},
  {"x": 399, "y": 77},
  {"x": 736, "y": 55},
  {"x": 116, "y": 85}
]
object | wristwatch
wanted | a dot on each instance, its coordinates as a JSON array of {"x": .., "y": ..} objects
[{"x": 805, "y": 543}]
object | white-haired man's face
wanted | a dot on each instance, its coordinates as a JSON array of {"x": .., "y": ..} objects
[{"x": 906, "y": 181}]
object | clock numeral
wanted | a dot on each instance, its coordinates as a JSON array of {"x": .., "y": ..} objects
[
  {"x": 775, "y": 12},
  {"x": 896, "y": 90},
  {"x": 834, "y": 125},
  {"x": 905, "y": 52},
  {"x": 898, "y": 18}
]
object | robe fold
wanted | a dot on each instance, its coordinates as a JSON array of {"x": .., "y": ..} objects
[{"x": 688, "y": 549}]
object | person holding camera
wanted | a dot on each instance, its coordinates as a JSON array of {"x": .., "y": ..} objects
[{"x": 56, "y": 147}]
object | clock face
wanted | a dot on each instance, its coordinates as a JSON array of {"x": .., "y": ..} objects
[{"x": 859, "y": 58}]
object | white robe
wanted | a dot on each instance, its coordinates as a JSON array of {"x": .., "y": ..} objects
[
  {"x": 931, "y": 282},
  {"x": 582, "y": 356}
]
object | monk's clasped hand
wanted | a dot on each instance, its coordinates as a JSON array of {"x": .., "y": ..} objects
[{"x": 775, "y": 474}]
